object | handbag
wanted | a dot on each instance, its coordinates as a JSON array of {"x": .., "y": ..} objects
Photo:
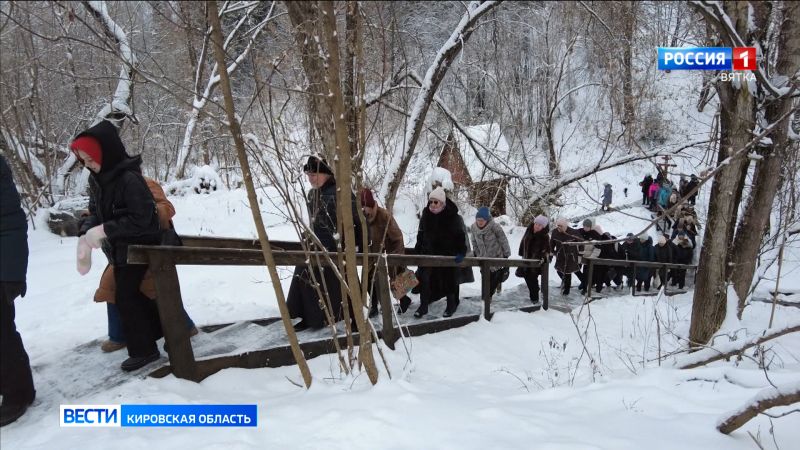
[
  {"x": 170, "y": 237},
  {"x": 403, "y": 283}
]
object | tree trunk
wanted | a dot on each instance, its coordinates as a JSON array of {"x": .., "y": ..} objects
[
  {"x": 766, "y": 181},
  {"x": 737, "y": 121},
  {"x": 236, "y": 132},
  {"x": 306, "y": 20},
  {"x": 344, "y": 192},
  {"x": 629, "y": 18}
]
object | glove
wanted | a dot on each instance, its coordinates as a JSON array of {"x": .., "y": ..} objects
[
  {"x": 459, "y": 257},
  {"x": 14, "y": 289},
  {"x": 95, "y": 236},
  {"x": 84, "y": 256}
]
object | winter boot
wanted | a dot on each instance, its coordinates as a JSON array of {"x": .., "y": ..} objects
[
  {"x": 405, "y": 302},
  {"x": 134, "y": 363}
]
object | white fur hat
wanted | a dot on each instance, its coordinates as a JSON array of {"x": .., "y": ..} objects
[{"x": 438, "y": 194}]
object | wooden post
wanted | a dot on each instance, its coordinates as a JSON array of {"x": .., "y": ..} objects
[
  {"x": 173, "y": 321},
  {"x": 589, "y": 280},
  {"x": 486, "y": 278},
  {"x": 545, "y": 267},
  {"x": 382, "y": 291},
  {"x": 633, "y": 286}
]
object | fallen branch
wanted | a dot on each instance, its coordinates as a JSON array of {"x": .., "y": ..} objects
[
  {"x": 762, "y": 401},
  {"x": 711, "y": 354}
]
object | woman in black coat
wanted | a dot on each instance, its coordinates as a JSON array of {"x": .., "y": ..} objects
[
  {"x": 441, "y": 232},
  {"x": 567, "y": 256},
  {"x": 535, "y": 244},
  {"x": 122, "y": 212},
  {"x": 16, "y": 380},
  {"x": 303, "y": 298}
]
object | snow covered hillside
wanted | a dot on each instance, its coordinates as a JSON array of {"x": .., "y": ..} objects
[{"x": 519, "y": 381}]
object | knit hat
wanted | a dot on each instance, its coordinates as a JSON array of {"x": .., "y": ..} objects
[
  {"x": 483, "y": 213},
  {"x": 598, "y": 228},
  {"x": 662, "y": 240},
  {"x": 438, "y": 194},
  {"x": 588, "y": 223},
  {"x": 317, "y": 165},
  {"x": 629, "y": 237},
  {"x": 562, "y": 221},
  {"x": 366, "y": 198},
  {"x": 88, "y": 145},
  {"x": 541, "y": 221},
  {"x": 642, "y": 237}
]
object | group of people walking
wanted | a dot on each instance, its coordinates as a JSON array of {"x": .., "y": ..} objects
[{"x": 125, "y": 208}]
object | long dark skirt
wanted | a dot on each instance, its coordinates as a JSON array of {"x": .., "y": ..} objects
[{"x": 304, "y": 301}]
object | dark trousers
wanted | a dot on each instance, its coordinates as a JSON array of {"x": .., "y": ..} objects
[
  {"x": 644, "y": 198},
  {"x": 678, "y": 277},
  {"x": 140, "y": 321},
  {"x": 532, "y": 280},
  {"x": 566, "y": 279},
  {"x": 115, "y": 332},
  {"x": 16, "y": 380},
  {"x": 428, "y": 294}
]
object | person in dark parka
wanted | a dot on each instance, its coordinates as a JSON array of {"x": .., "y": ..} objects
[
  {"x": 122, "y": 212},
  {"x": 645, "y": 184},
  {"x": 631, "y": 250},
  {"x": 535, "y": 244},
  {"x": 16, "y": 380},
  {"x": 644, "y": 275},
  {"x": 303, "y": 298},
  {"x": 682, "y": 253},
  {"x": 441, "y": 232},
  {"x": 663, "y": 253},
  {"x": 587, "y": 233},
  {"x": 567, "y": 256}
]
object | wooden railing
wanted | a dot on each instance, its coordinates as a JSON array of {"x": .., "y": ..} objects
[
  {"x": 633, "y": 265},
  {"x": 162, "y": 261}
]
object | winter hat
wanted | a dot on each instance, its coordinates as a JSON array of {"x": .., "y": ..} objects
[
  {"x": 643, "y": 237},
  {"x": 541, "y": 221},
  {"x": 629, "y": 237},
  {"x": 662, "y": 240},
  {"x": 366, "y": 198},
  {"x": 88, "y": 145},
  {"x": 561, "y": 221},
  {"x": 588, "y": 223},
  {"x": 438, "y": 194},
  {"x": 598, "y": 228},
  {"x": 317, "y": 165},
  {"x": 483, "y": 213}
]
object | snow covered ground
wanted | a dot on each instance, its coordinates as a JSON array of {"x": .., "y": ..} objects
[{"x": 547, "y": 380}]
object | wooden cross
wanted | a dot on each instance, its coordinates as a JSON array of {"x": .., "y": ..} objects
[{"x": 664, "y": 167}]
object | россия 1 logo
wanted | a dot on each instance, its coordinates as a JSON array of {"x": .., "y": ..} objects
[{"x": 707, "y": 58}]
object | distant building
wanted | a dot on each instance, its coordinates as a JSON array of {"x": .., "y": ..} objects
[{"x": 467, "y": 163}]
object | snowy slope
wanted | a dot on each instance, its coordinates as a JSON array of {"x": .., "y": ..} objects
[{"x": 520, "y": 381}]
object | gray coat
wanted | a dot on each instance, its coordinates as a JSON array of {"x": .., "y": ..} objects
[{"x": 490, "y": 242}]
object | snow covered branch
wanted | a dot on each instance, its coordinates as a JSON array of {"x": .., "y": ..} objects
[
  {"x": 201, "y": 99},
  {"x": 765, "y": 399},
  {"x": 714, "y": 13},
  {"x": 729, "y": 349},
  {"x": 119, "y": 108},
  {"x": 433, "y": 77}
]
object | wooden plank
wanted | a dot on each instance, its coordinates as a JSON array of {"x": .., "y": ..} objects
[
  {"x": 173, "y": 321},
  {"x": 138, "y": 254}
]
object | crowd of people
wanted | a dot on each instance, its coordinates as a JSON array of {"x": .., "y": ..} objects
[{"x": 125, "y": 208}]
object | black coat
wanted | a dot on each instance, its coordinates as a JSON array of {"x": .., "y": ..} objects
[
  {"x": 441, "y": 234},
  {"x": 567, "y": 256},
  {"x": 303, "y": 298},
  {"x": 664, "y": 253},
  {"x": 646, "y": 253},
  {"x": 13, "y": 229},
  {"x": 535, "y": 245},
  {"x": 321, "y": 205},
  {"x": 645, "y": 184},
  {"x": 119, "y": 198},
  {"x": 681, "y": 254}
]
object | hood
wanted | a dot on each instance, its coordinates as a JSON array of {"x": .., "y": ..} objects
[{"x": 110, "y": 144}]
